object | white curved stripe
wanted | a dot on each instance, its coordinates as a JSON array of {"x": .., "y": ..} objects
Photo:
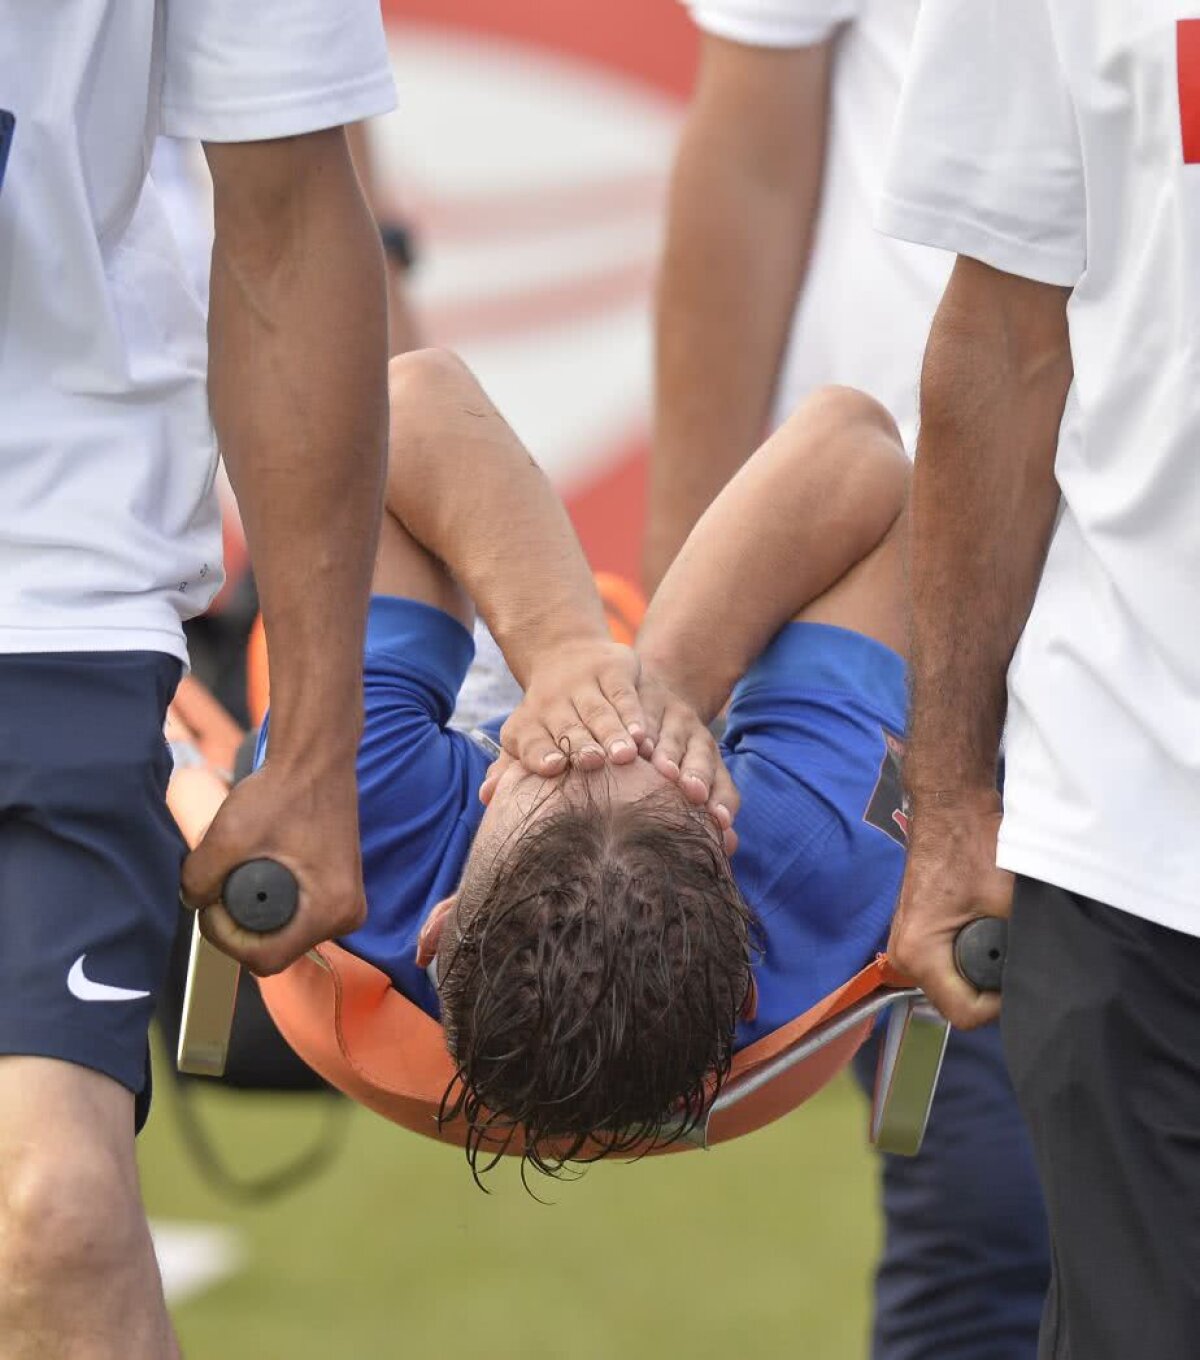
[
  {"x": 82, "y": 988},
  {"x": 572, "y": 379}
]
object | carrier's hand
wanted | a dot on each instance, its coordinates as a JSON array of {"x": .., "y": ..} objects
[
  {"x": 950, "y": 879},
  {"x": 686, "y": 751},
  {"x": 308, "y": 821},
  {"x": 581, "y": 706}
]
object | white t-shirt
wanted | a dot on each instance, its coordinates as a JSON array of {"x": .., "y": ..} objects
[
  {"x": 864, "y": 313},
  {"x": 1047, "y": 138},
  {"x": 109, "y": 533}
]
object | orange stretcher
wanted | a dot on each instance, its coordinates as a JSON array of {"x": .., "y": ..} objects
[{"x": 346, "y": 1020}]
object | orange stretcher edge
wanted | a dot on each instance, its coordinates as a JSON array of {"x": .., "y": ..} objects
[{"x": 346, "y": 1020}]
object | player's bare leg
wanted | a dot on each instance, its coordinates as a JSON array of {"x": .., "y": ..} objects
[{"x": 78, "y": 1276}]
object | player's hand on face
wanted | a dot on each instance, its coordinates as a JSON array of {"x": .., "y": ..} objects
[
  {"x": 495, "y": 772},
  {"x": 581, "y": 707},
  {"x": 687, "y": 752},
  {"x": 305, "y": 819},
  {"x": 950, "y": 879}
]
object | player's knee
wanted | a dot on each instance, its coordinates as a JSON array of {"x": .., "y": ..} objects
[{"x": 65, "y": 1210}]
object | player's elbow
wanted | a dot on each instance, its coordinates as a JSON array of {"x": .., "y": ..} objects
[
  {"x": 422, "y": 381},
  {"x": 866, "y": 471},
  {"x": 864, "y": 447},
  {"x": 430, "y": 392}
]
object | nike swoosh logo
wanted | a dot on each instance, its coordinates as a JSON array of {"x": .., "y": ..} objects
[{"x": 84, "y": 989}]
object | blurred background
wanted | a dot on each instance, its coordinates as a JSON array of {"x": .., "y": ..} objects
[{"x": 529, "y": 158}]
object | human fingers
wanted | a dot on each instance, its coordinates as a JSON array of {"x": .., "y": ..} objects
[
  {"x": 724, "y": 792},
  {"x": 698, "y": 769},
  {"x": 929, "y": 961},
  {"x": 603, "y": 726},
  {"x": 724, "y": 820},
  {"x": 532, "y": 741},
  {"x": 492, "y": 776},
  {"x": 635, "y": 715},
  {"x": 267, "y": 954},
  {"x": 309, "y": 829},
  {"x": 943, "y": 891},
  {"x": 487, "y": 789},
  {"x": 672, "y": 744}
]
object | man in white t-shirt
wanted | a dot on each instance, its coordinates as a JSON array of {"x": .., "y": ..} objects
[
  {"x": 1055, "y": 146},
  {"x": 109, "y": 538},
  {"x": 771, "y": 232},
  {"x": 774, "y": 280}
]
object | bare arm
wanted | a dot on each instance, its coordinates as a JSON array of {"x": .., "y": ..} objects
[
  {"x": 473, "y": 510},
  {"x": 995, "y": 383},
  {"x": 744, "y": 199},
  {"x": 993, "y": 389},
  {"x": 818, "y": 496},
  {"x": 466, "y": 490},
  {"x": 298, "y": 396}
]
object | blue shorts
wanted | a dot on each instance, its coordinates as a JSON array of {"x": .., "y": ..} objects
[{"x": 89, "y": 857}]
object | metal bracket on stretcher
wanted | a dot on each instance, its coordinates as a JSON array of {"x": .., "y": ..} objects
[
  {"x": 204, "y": 741},
  {"x": 910, "y": 1062},
  {"x": 910, "y": 1056}
]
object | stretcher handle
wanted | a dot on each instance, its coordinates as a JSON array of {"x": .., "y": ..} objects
[
  {"x": 261, "y": 895},
  {"x": 980, "y": 950}
]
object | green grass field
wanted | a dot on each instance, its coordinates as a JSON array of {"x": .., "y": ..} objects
[{"x": 752, "y": 1251}]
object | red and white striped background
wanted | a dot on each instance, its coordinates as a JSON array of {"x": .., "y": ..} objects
[{"x": 531, "y": 148}]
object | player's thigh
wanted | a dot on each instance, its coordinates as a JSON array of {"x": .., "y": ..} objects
[{"x": 872, "y": 597}]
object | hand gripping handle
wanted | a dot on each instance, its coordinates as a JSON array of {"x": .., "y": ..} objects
[
  {"x": 261, "y": 895},
  {"x": 980, "y": 949}
]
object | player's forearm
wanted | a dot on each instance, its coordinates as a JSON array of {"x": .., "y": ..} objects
[
  {"x": 814, "y": 500},
  {"x": 996, "y": 377},
  {"x": 297, "y": 384},
  {"x": 470, "y": 493},
  {"x": 743, "y": 202}
]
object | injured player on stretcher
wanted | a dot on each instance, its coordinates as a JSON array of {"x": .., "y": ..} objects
[{"x": 598, "y": 943}]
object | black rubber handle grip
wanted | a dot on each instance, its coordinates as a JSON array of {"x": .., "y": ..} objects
[
  {"x": 980, "y": 950},
  {"x": 261, "y": 895}
]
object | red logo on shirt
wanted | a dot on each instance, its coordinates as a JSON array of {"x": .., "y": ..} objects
[
  {"x": 887, "y": 809},
  {"x": 1187, "y": 38}
]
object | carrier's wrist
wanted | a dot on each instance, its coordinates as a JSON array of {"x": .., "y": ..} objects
[
  {"x": 932, "y": 798},
  {"x": 316, "y": 732}
]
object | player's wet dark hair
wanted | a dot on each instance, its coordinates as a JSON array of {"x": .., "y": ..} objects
[{"x": 591, "y": 1001}]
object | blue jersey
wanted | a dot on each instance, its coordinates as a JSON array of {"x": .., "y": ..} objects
[{"x": 813, "y": 741}]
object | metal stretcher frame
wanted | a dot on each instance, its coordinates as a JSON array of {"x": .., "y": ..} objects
[{"x": 343, "y": 1017}]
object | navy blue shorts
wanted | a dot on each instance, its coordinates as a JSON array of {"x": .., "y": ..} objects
[{"x": 89, "y": 857}]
